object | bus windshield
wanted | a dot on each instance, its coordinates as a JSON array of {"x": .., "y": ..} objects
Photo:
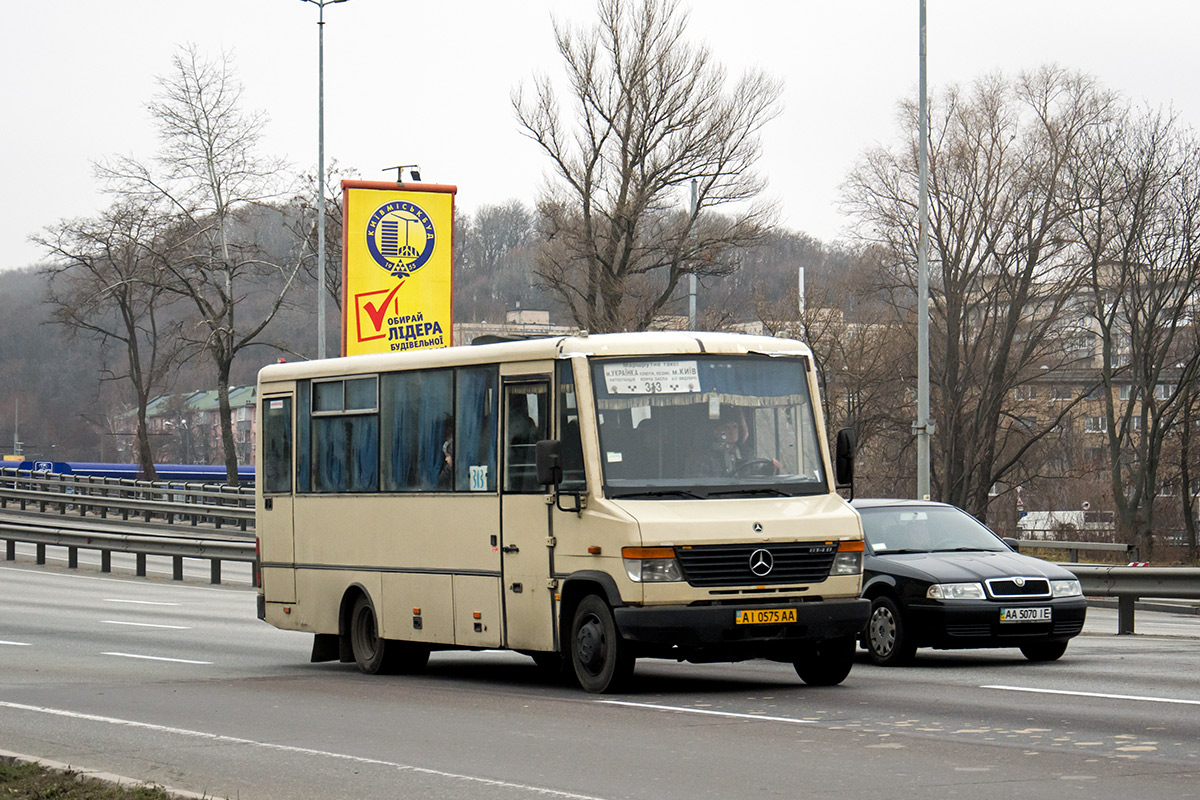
[{"x": 707, "y": 426}]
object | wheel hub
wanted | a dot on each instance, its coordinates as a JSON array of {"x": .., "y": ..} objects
[
  {"x": 590, "y": 644},
  {"x": 883, "y": 632}
]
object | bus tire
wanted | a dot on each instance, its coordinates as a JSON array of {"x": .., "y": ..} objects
[
  {"x": 376, "y": 655},
  {"x": 826, "y": 663},
  {"x": 602, "y": 660},
  {"x": 370, "y": 651}
]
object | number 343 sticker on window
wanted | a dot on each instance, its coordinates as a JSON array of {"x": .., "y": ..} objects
[{"x": 652, "y": 377}]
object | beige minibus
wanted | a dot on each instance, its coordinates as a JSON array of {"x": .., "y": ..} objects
[{"x": 585, "y": 500}]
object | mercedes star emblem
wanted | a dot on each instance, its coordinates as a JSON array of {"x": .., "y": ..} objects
[{"x": 761, "y": 562}]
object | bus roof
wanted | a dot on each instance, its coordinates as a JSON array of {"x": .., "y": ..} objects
[{"x": 605, "y": 344}]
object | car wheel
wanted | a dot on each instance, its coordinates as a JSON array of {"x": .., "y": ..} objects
[
  {"x": 1044, "y": 651},
  {"x": 602, "y": 660},
  {"x": 825, "y": 663},
  {"x": 886, "y": 638}
]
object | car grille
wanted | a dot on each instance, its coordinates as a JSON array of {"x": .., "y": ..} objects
[
  {"x": 729, "y": 564},
  {"x": 1018, "y": 588}
]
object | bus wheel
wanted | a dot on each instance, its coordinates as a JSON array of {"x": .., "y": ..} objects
[
  {"x": 601, "y": 658},
  {"x": 376, "y": 655},
  {"x": 826, "y": 663},
  {"x": 370, "y": 651}
]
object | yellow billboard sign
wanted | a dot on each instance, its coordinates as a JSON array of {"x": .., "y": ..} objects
[{"x": 397, "y": 266}]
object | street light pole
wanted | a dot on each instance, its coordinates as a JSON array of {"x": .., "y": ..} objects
[
  {"x": 320, "y": 4},
  {"x": 923, "y": 426}
]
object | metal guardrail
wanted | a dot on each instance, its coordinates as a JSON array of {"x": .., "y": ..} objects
[
  {"x": 1128, "y": 584},
  {"x": 139, "y": 543},
  {"x": 157, "y": 518},
  {"x": 1073, "y": 548},
  {"x": 172, "y": 502}
]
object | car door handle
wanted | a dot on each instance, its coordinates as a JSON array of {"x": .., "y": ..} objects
[{"x": 512, "y": 548}]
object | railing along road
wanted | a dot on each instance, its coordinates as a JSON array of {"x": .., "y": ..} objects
[{"x": 179, "y": 520}]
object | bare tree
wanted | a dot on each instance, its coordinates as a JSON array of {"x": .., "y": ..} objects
[
  {"x": 862, "y": 362},
  {"x": 208, "y": 170},
  {"x": 1139, "y": 237},
  {"x": 306, "y": 233},
  {"x": 650, "y": 114},
  {"x": 1003, "y": 294},
  {"x": 103, "y": 282}
]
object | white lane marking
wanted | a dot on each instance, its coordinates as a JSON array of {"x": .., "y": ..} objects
[
  {"x": 156, "y": 658},
  {"x": 1101, "y": 695},
  {"x": 145, "y": 625},
  {"x": 216, "y": 737},
  {"x": 684, "y": 709},
  {"x": 138, "y": 602},
  {"x": 17, "y": 644}
]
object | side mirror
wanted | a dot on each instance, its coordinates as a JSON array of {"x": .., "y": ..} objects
[
  {"x": 843, "y": 464},
  {"x": 547, "y": 458},
  {"x": 1013, "y": 543}
]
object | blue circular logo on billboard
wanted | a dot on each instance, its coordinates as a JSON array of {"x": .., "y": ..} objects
[{"x": 400, "y": 237}]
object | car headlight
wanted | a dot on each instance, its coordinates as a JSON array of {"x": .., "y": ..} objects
[
  {"x": 1069, "y": 588},
  {"x": 955, "y": 591},
  {"x": 651, "y": 564}
]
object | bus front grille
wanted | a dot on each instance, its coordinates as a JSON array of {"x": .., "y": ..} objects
[{"x": 756, "y": 564}]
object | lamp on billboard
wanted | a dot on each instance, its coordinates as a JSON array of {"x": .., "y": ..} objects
[{"x": 397, "y": 265}]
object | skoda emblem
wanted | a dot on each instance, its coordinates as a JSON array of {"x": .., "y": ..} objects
[
  {"x": 761, "y": 562},
  {"x": 758, "y": 527},
  {"x": 1019, "y": 582}
]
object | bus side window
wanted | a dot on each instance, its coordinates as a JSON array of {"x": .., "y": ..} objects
[
  {"x": 526, "y": 424},
  {"x": 416, "y": 408},
  {"x": 573, "y": 479},
  {"x": 475, "y": 413},
  {"x": 277, "y": 445}
]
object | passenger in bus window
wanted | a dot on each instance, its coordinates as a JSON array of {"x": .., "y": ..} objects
[{"x": 445, "y": 478}]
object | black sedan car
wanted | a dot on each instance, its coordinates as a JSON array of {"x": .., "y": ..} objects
[{"x": 937, "y": 577}]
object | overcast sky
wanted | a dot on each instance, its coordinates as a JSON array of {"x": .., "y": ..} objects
[{"x": 430, "y": 83}]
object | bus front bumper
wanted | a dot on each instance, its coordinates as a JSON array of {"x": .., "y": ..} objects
[{"x": 689, "y": 628}]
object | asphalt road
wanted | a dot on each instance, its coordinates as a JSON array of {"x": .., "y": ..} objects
[{"x": 180, "y": 684}]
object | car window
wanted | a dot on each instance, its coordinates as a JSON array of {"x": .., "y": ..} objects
[{"x": 892, "y": 529}]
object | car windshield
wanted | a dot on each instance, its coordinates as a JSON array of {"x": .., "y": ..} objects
[
  {"x": 707, "y": 426},
  {"x": 925, "y": 529}
]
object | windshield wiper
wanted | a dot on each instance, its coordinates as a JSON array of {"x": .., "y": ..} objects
[
  {"x": 659, "y": 493},
  {"x": 964, "y": 550},
  {"x": 774, "y": 491},
  {"x": 901, "y": 552}
]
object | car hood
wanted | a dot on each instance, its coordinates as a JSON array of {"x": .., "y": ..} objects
[{"x": 965, "y": 567}]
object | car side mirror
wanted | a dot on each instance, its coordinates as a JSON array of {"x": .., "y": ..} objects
[
  {"x": 843, "y": 465},
  {"x": 547, "y": 458},
  {"x": 1012, "y": 543}
]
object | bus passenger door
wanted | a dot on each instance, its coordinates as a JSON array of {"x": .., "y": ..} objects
[
  {"x": 273, "y": 517},
  {"x": 526, "y": 554}
]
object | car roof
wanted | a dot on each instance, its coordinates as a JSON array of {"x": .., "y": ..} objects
[{"x": 894, "y": 502}]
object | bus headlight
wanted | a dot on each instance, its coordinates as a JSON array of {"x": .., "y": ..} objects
[
  {"x": 1066, "y": 588},
  {"x": 955, "y": 591},
  {"x": 651, "y": 564},
  {"x": 848, "y": 560}
]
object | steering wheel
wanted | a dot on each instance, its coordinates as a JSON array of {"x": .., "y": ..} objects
[{"x": 756, "y": 468}]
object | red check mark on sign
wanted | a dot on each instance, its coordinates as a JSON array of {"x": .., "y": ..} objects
[{"x": 377, "y": 313}]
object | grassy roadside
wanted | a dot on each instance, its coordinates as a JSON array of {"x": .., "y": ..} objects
[{"x": 34, "y": 782}]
